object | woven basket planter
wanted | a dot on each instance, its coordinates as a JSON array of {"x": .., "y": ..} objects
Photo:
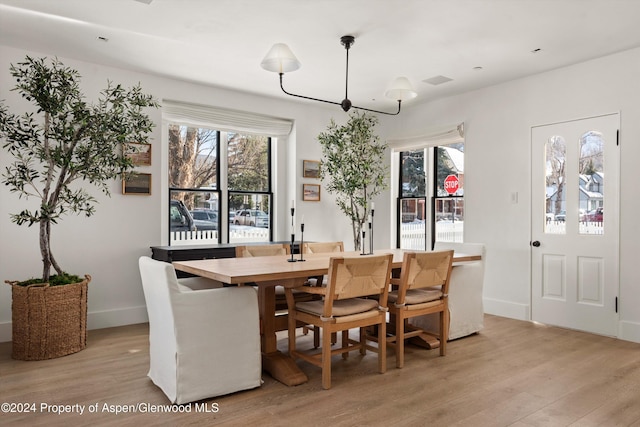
[{"x": 49, "y": 321}]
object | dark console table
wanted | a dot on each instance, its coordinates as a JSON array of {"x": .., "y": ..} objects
[{"x": 191, "y": 252}]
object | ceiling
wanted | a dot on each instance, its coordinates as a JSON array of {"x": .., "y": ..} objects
[{"x": 475, "y": 43}]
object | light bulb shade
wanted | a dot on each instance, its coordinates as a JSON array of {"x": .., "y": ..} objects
[
  {"x": 280, "y": 59},
  {"x": 400, "y": 90}
]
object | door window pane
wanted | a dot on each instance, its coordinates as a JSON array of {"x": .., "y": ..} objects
[
  {"x": 555, "y": 206},
  {"x": 591, "y": 181}
]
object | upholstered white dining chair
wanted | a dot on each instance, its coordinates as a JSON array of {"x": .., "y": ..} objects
[
  {"x": 466, "y": 310},
  {"x": 202, "y": 343}
]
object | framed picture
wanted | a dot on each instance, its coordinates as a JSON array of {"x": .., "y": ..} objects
[
  {"x": 311, "y": 192},
  {"x": 140, "y": 154},
  {"x": 310, "y": 169},
  {"x": 137, "y": 183}
]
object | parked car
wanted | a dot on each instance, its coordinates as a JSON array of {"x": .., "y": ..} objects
[
  {"x": 205, "y": 219},
  {"x": 252, "y": 218},
  {"x": 179, "y": 217},
  {"x": 561, "y": 216},
  {"x": 595, "y": 215}
]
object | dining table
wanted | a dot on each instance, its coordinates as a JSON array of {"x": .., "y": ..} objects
[{"x": 290, "y": 271}]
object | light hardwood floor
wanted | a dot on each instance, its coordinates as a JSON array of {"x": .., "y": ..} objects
[{"x": 513, "y": 373}]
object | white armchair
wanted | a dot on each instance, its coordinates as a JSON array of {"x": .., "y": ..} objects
[
  {"x": 465, "y": 293},
  {"x": 202, "y": 343}
]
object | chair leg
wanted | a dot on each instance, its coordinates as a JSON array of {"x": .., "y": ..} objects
[
  {"x": 316, "y": 337},
  {"x": 326, "y": 360},
  {"x": 363, "y": 341},
  {"x": 400, "y": 321},
  {"x": 444, "y": 331},
  {"x": 382, "y": 347},
  {"x": 345, "y": 341}
]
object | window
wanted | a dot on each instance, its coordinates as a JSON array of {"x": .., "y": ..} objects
[
  {"x": 200, "y": 178},
  {"x": 449, "y": 193},
  {"x": 430, "y": 188}
]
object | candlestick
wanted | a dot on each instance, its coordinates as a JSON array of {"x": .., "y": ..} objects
[
  {"x": 293, "y": 230},
  {"x": 293, "y": 238},
  {"x": 362, "y": 243},
  {"x": 371, "y": 229},
  {"x": 302, "y": 240}
]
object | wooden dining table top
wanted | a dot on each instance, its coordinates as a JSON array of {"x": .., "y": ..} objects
[{"x": 278, "y": 268}]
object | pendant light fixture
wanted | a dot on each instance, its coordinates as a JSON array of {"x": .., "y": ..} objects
[{"x": 281, "y": 60}]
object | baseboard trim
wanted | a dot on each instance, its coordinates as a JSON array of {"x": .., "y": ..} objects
[
  {"x": 97, "y": 320},
  {"x": 508, "y": 309},
  {"x": 629, "y": 331}
]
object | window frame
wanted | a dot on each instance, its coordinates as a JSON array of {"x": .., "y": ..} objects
[
  {"x": 430, "y": 197},
  {"x": 221, "y": 189}
]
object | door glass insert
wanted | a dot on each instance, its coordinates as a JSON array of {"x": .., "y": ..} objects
[
  {"x": 555, "y": 197},
  {"x": 591, "y": 181}
]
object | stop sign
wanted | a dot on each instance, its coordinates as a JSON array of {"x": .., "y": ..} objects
[{"x": 451, "y": 184}]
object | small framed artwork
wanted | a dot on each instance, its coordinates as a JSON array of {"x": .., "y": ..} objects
[
  {"x": 140, "y": 154},
  {"x": 310, "y": 169},
  {"x": 136, "y": 183},
  {"x": 311, "y": 192}
]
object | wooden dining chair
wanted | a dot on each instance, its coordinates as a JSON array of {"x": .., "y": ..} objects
[
  {"x": 344, "y": 307},
  {"x": 262, "y": 250},
  {"x": 281, "y": 301},
  {"x": 423, "y": 288},
  {"x": 321, "y": 248}
]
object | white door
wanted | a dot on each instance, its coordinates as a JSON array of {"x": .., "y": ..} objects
[{"x": 574, "y": 217}]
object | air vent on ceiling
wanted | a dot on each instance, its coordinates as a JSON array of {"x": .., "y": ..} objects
[{"x": 437, "y": 80}]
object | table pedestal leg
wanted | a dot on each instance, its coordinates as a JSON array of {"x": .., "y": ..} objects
[{"x": 280, "y": 366}]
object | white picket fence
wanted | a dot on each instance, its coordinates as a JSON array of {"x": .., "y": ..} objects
[
  {"x": 559, "y": 227},
  {"x": 412, "y": 235},
  {"x": 210, "y": 237}
]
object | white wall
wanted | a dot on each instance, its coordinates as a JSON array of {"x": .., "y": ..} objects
[
  {"x": 497, "y": 123},
  {"x": 107, "y": 245}
]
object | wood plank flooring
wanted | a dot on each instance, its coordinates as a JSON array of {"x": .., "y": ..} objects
[{"x": 513, "y": 373}]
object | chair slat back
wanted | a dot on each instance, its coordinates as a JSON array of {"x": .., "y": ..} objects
[
  {"x": 262, "y": 250},
  {"x": 322, "y": 247},
  {"x": 427, "y": 269},
  {"x": 356, "y": 277}
]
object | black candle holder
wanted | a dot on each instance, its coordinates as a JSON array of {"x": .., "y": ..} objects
[
  {"x": 362, "y": 244},
  {"x": 302, "y": 242},
  {"x": 371, "y": 233},
  {"x": 293, "y": 236}
]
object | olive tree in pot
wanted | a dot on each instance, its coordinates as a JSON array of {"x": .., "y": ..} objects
[
  {"x": 66, "y": 142},
  {"x": 353, "y": 167}
]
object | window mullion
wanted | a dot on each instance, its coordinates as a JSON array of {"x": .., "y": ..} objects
[{"x": 223, "y": 167}]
